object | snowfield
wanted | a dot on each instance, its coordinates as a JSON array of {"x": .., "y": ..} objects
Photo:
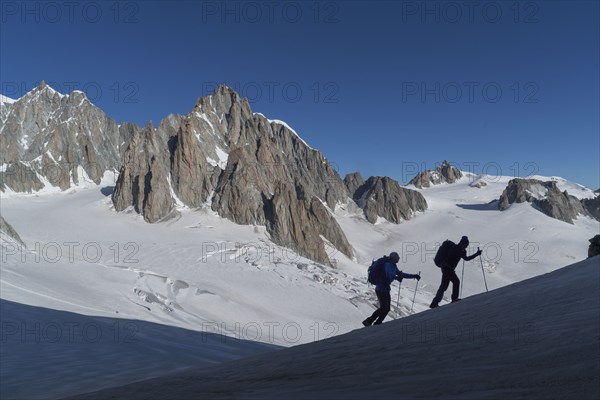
[{"x": 199, "y": 274}]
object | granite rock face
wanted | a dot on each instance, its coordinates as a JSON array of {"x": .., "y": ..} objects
[
  {"x": 384, "y": 197},
  {"x": 48, "y": 138},
  {"x": 444, "y": 173},
  {"x": 353, "y": 181},
  {"x": 143, "y": 182},
  {"x": 297, "y": 221}
]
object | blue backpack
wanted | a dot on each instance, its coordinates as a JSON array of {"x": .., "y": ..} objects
[{"x": 376, "y": 270}]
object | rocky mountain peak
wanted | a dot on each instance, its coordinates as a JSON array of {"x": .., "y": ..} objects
[
  {"x": 444, "y": 173},
  {"x": 353, "y": 181},
  {"x": 57, "y": 140},
  {"x": 221, "y": 101},
  {"x": 43, "y": 92},
  {"x": 384, "y": 197},
  {"x": 547, "y": 197}
]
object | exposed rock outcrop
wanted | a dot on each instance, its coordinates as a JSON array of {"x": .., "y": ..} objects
[
  {"x": 7, "y": 229},
  {"x": 592, "y": 206},
  {"x": 143, "y": 178},
  {"x": 297, "y": 221},
  {"x": 547, "y": 198},
  {"x": 444, "y": 173},
  {"x": 594, "y": 248},
  {"x": 384, "y": 197}
]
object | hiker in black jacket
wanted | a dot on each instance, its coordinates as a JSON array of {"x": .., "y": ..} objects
[{"x": 455, "y": 253}]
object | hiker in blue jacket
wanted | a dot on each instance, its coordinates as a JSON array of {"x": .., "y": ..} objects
[{"x": 382, "y": 289}]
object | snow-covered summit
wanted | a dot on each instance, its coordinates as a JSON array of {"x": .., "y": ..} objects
[
  {"x": 42, "y": 89},
  {"x": 444, "y": 173},
  {"x": 5, "y": 99},
  {"x": 289, "y": 128}
]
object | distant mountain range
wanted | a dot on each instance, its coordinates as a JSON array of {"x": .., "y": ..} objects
[{"x": 222, "y": 156}]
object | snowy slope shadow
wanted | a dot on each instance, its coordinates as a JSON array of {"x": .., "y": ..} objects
[
  {"x": 537, "y": 339},
  {"x": 49, "y": 353},
  {"x": 491, "y": 206},
  {"x": 107, "y": 190}
]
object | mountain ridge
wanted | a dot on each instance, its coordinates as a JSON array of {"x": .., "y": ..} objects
[
  {"x": 259, "y": 160},
  {"x": 221, "y": 156}
]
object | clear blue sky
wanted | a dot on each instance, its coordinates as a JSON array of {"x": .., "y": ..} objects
[{"x": 385, "y": 88}]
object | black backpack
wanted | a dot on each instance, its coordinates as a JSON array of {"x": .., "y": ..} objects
[
  {"x": 375, "y": 271},
  {"x": 442, "y": 253}
]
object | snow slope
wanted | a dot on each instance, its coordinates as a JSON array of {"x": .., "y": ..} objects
[
  {"x": 574, "y": 189},
  {"x": 536, "y": 339},
  {"x": 197, "y": 272},
  {"x": 206, "y": 274},
  {"x": 48, "y": 353}
]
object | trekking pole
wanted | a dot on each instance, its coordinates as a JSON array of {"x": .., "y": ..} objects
[
  {"x": 398, "y": 301},
  {"x": 482, "y": 271},
  {"x": 415, "y": 295},
  {"x": 462, "y": 279}
]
